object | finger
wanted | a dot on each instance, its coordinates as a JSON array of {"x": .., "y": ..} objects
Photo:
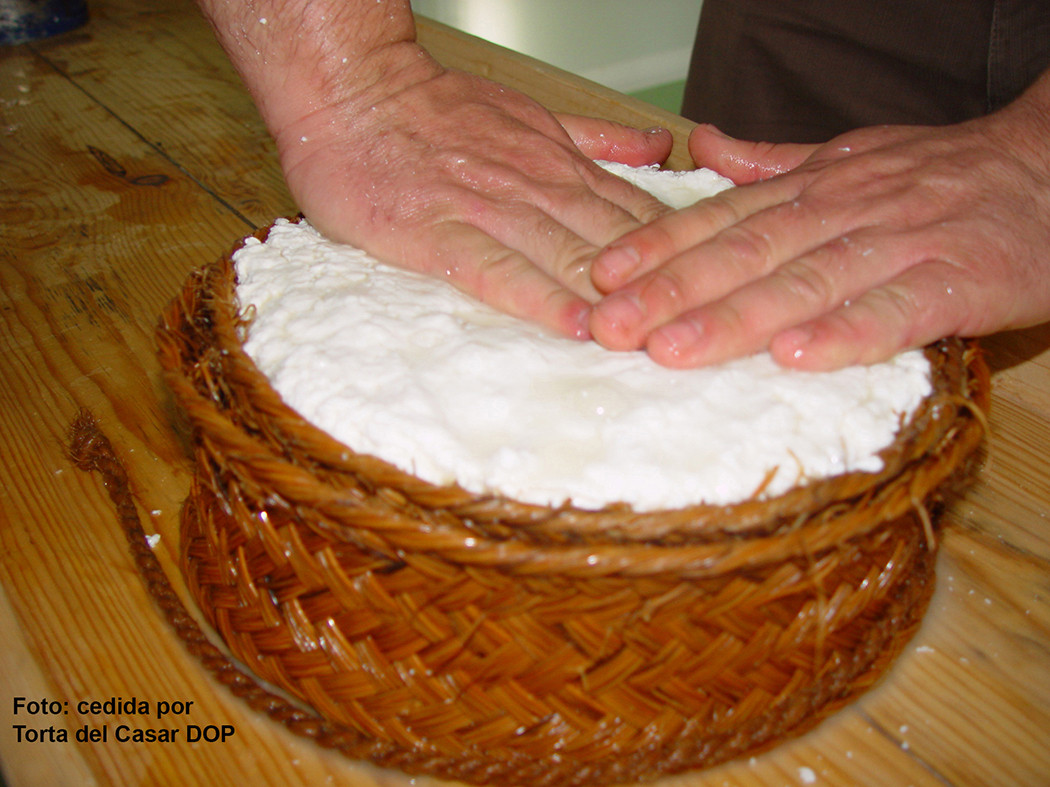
[
  {"x": 575, "y": 191},
  {"x": 504, "y": 278},
  {"x": 742, "y": 161},
  {"x": 610, "y": 141},
  {"x": 561, "y": 225},
  {"x": 639, "y": 205},
  {"x": 738, "y": 255},
  {"x": 917, "y": 307},
  {"x": 654, "y": 244},
  {"x": 796, "y": 292},
  {"x": 545, "y": 233},
  {"x": 554, "y": 249}
]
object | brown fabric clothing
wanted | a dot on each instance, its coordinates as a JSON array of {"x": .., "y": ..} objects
[{"x": 807, "y": 70}]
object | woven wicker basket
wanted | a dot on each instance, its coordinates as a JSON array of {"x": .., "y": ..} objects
[{"x": 490, "y": 641}]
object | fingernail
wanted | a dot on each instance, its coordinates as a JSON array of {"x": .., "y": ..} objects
[
  {"x": 675, "y": 340},
  {"x": 655, "y": 130},
  {"x": 794, "y": 342},
  {"x": 616, "y": 264},
  {"x": 621, "y": 312},
  {"x": 716, "y": 131},
  {"x": 580, "y": 322}
]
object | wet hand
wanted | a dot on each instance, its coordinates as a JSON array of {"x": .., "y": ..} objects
[
  {"x": 880, "y": 240},
  {"x": 463, "y": 179}
]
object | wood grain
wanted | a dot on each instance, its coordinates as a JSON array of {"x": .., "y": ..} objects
[
  {"x": 556, "y": 89},
  {"x": 129, "y": 155}
]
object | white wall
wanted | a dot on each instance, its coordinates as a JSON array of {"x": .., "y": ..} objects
[{"x": 623, "y": 44}]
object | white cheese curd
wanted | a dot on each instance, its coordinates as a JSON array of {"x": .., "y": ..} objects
[{"x": 407, "y": 368}]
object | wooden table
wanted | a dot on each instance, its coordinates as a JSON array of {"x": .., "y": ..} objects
[{"x": 130, "y": 154}]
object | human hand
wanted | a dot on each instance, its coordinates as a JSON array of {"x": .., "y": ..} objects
[
  {"x": 433, "y": 169},
  {"x": 463, "y": 179},
  {"x": 880, "y": 240}
]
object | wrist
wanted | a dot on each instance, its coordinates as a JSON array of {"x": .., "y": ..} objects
[
  {"x": 301, "y": 58},
  {"x": 1023, "y": 127},
  {"x": 338, "y": 90}
]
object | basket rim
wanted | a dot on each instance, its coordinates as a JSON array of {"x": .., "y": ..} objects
[{"x": 948, "y": 425}]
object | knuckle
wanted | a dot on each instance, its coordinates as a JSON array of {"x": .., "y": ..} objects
[
  {"x": 493, "y": 270},
  {"x": 737, "y": 321},
  {"x": 666, "y": 287},
  {"x": 745, "y": 247},
  {"x": 898, "y": 310},
  {"x": 720, "y": 211},
  {"x": 807, "y": 282},
  {"x": 574, "y": 262},
  {"x": 654, "y": 243},
  {"x": 651, "y": 210}
]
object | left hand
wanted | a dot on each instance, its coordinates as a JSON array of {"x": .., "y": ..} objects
[{"x": 883, "y": 239}]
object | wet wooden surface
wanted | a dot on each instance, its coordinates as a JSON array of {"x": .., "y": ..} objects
[{"x": 129, "y": 155}]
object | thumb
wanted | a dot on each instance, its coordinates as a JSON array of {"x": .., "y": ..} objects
[
  {"x": 742, "y": 161},
  {"x": 611, "y": 141}
]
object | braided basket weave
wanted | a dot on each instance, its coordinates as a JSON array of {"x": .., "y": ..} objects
[{"x": 486, "y": 640}]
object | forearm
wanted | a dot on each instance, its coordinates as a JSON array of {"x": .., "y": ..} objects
[{"x": 298, "y": 57}]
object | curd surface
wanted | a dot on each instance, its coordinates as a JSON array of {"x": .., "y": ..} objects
[{"x": 407, "y": 368}]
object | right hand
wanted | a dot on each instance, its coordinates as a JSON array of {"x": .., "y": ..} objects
[{"x": 467, "y": 180}]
